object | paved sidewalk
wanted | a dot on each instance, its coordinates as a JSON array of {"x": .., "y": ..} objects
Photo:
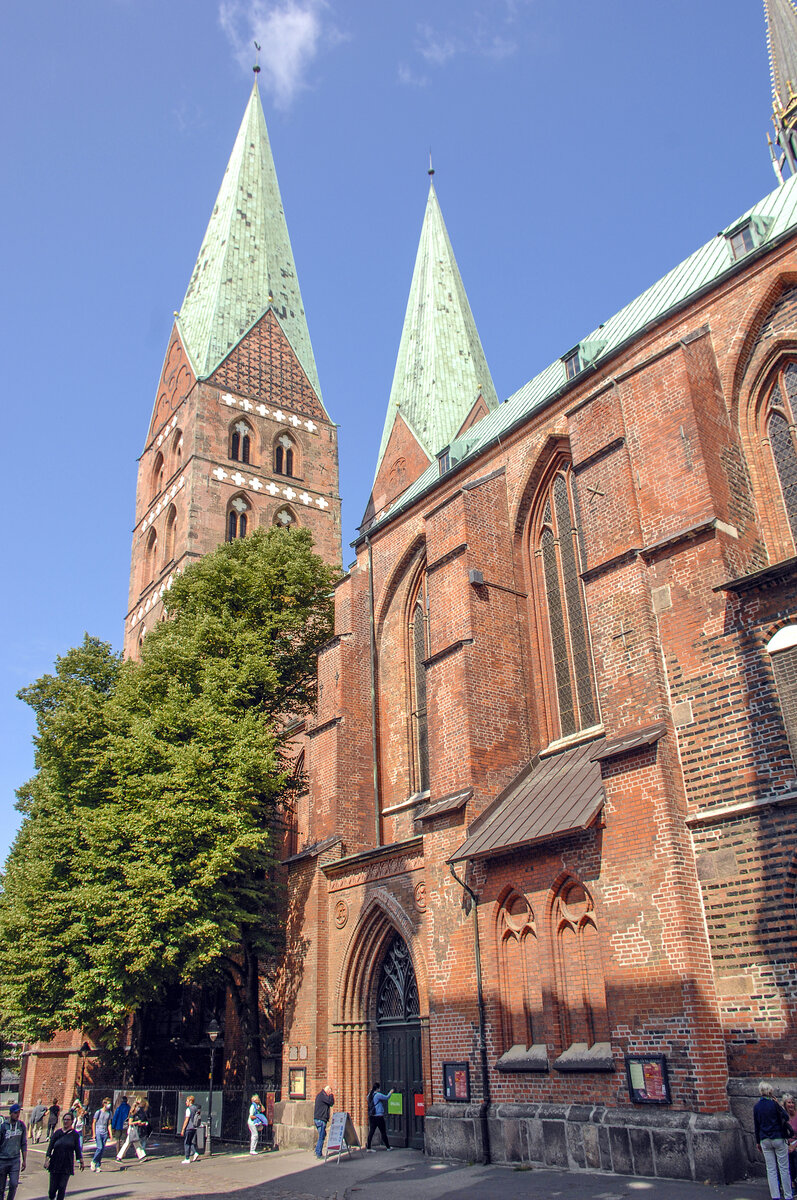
[{"x": 399, "y": 1175}]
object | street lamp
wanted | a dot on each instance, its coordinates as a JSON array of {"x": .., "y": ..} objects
[
  {"x": 85, "y": 1050},
  {"x": 213, "y": 1030}
]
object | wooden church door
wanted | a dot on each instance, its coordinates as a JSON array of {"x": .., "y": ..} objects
[{"x": 398, "y": 1021}]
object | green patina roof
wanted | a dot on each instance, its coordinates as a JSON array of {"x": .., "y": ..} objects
[
  {"x": 441, "y": 369},
  {"x": 245, "y": 264},
  {"x": 782, "y": 45},
  {"x": 774, "y": 218}
]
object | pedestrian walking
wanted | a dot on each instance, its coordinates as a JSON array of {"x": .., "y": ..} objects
[
  {"x": 135, "y": 1118},
  {"x": 53, "y": 1113},
  {"x": 143, "y": 1123},
  {"x": 36, "y": 1123},
  {"x": 119, "y": 1121},
  {"x": 323, "y": 1107},
  {"x": 13, "y": 1152},
  {"x": 790, "y": 1105},
  {"x": 193, "y": 1114},
  {"x": 376, "y": 1117},
  {"x": 256, "y": 1121},
  {"x": 102, "y": 1127},
  {"x": 78, "y": 1120},
  {"x": 772, "y": 1133},
  {"x": 62, "y": 1150}
]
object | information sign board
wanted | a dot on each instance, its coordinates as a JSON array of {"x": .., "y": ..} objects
[
  {"x": 456, "y": 1082},
  {"x": 341, "y": 1136},
  {"x": 648, "y": 1080},
  {"x": 395, "y": 1104}
]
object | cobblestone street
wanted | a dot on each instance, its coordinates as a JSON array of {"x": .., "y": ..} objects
[{"x": 297, "y": 1175}]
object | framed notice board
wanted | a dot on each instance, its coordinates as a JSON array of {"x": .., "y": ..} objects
[
  {"x": 297, "y": 1083},
  {"x": 648, "y": 1079},
  {"x": 456, "y": 1082}
]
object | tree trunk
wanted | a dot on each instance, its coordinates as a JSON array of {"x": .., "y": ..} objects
[{"x": 246, "y": 997}]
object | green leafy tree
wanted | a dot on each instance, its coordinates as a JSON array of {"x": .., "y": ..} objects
[{"x": 155, "y": 821}]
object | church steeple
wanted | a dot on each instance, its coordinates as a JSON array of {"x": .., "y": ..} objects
[
  {"x": 441, "y": 381},
  {"x": 781, "y": 19},
  {"x": 245, "y": 265},
  {"x": 239, "y": 436}
]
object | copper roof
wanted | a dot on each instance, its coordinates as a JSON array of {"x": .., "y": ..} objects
[
  {"x": 447, "y": 804},
  {"x": 556, "y": 795},
  {"x": 624, "y": 743}
]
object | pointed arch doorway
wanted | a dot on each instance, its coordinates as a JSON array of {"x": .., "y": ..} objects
[{"x": 398, "y": 1025}]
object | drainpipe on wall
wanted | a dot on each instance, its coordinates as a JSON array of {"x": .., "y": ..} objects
[
  {"x": 485, "y": 1105},
  {"x": 374, "y": 741}
]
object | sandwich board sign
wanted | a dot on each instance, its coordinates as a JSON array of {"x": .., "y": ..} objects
[{"x": 342, "y": 1135}]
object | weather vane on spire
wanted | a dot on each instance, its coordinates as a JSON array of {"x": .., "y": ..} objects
[
  {"x": 256, "y": 67},
  {"x": 431, "y": 168}
]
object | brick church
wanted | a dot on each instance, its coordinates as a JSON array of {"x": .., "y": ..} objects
[{"x": 545, "y": 875}]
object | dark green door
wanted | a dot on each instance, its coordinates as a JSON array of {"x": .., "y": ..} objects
[{"x": 398, "y": 1023}]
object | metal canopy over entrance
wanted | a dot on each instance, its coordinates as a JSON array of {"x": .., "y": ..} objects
[{"x": 398, "y": 1022}]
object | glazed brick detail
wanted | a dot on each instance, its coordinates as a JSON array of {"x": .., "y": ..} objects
[{"x": 264, "y": 367}]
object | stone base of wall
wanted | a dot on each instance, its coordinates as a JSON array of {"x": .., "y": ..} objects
[
  {"x": 293, "y": 1125},
  {"x": 585, "y": 1137}
]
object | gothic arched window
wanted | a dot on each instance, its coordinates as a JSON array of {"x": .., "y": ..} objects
[
  {"x": 150, "y": 557},
  {"x": 561, "y": 611},
  {"x": 237, "y": 522},
  {"x": 397, "y": 991},
  {"x": 285, "y": 518},
  {"x": 284, "y": 455},
  {"x": 418, "y": 652},
  {"x": 240, "y": 442},
  {"x": 177, "y": 449},
  {"x": 521, "y": 990},
  {"x": 782, "y": 649},
  {"x": 581, "y": 987},
  {"x": 778, "y": 427},
  {"x": 156, "y": 478},
  {"x": 171, "y": 525}
]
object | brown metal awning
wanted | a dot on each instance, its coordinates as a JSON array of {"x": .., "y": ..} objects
[{"x": 557, "y": 795}]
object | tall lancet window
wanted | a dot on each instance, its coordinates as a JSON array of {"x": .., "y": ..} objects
[
  {"x": 561, "y": 611},
  {"x": 781, "y": 430},
  {"x": 418, "y": 652}
]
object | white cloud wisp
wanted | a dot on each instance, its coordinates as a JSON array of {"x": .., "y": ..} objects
[{"x": 290, "y": 32}]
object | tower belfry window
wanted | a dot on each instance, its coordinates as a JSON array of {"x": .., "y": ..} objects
[
  {"x": 240, "y": 443},
  {"x": 284, "y": 456},
  {"x": 780, "y": 424},
  {"x": 237, "y": 522}
]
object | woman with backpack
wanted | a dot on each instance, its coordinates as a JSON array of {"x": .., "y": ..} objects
[{"x": 376, "y": 1116}]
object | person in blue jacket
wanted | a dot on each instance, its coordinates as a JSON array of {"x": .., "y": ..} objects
[
  {"x": 376, "y": 1116},
  {"x": 771, "y": 1133}
]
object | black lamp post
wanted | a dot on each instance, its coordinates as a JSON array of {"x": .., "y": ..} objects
[
  {"x": 85, "y": 1050},
  {"x": 213, "y": 1030}
]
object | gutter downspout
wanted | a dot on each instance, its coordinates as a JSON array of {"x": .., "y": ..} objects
[
  {"x": 485, "y": 1105},
  {"x": 374, "y": 739}
]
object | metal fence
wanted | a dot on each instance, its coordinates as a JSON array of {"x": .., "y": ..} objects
[{"x": 167, "y": 1109}]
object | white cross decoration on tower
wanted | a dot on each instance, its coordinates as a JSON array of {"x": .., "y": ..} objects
[
  {"x": 279, "y": 415},
  {"x": 295, "y": 421},
  {"x": 305, "y": 499},
  {"x": 322, "y": 503},
  {"x": 272, "y": 487},
  {"x": 220, "y": 473},
  {"x": 255, "y": 484},
  {"x": 261, "y": 408},
  {"x": 289, "y": 494},
  {"x": 229, "y": 400},
  {"x": 180, "y": 482},
  {"x": 238, "y": 478},
  {"x": 246, "y": 405},
  {"x": 311, "y": 425}
]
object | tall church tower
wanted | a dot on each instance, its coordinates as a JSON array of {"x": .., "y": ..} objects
[{"x": 239, "y": 435}]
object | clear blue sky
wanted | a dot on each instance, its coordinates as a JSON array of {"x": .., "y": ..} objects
[{"x": 581, "y": 151}]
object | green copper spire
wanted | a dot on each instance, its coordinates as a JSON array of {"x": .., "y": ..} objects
[
  {"x": 441, "y": 370},
  {"x": 245, "y": 265},
  {"x": 782, "y": 45}
]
